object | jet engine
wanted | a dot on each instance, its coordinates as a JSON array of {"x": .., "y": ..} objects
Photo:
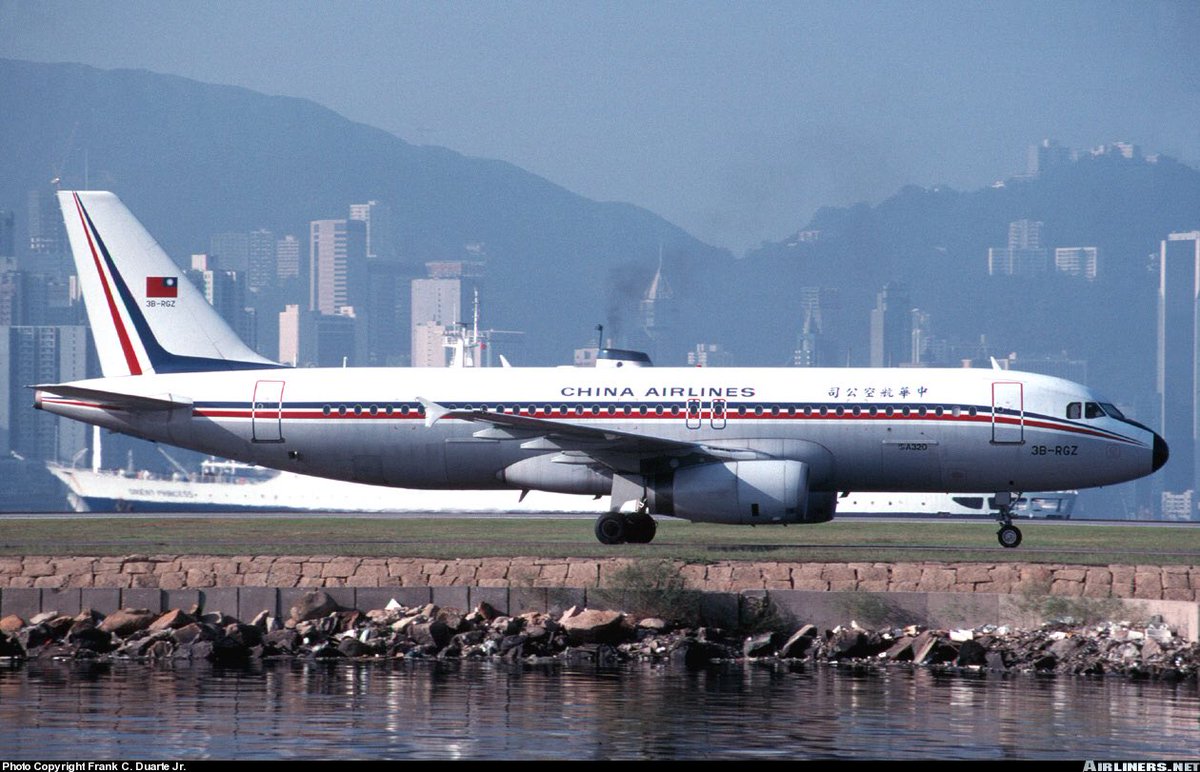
[{"x": 742, "y": 493}]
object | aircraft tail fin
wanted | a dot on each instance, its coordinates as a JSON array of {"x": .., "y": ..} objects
[{"x": 146, "y": 317}]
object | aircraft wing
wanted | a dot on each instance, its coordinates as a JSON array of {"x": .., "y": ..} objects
[
  {"x": 115, "y": 400},
  {"x": 620, "y": 451}
]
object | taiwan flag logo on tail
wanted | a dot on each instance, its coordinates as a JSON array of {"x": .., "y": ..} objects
[{"x": 162, "y": 286}]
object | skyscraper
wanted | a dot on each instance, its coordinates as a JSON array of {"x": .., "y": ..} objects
[
  {"x": 287, "y": 258},
  {"x": 47, "y": 233},
  {"x": 891, "y": 327},
  {"x": 39, "y": 354},
  {"x": 437, "y": 304},
  {"x": 1179, "y": 279},
  {"x": 262, "y": 256},
  {"x": 8, "y": 239},
  {"x": 232, "y": 249},
  {"x": 380, "y": 228},
  {"x": 337, "y": 265}
]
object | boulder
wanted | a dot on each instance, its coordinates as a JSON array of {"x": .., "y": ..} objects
[
  {"x": 761, "y": 645},
  {"x": 281, "y": 642},
  {"x": 11, "y": 647},
  {"x": 36, "y": 637},
  {"x": 172, "y": 620},
  {"x": 314, "y": 605},
  {"x": 126, "y": 622},
  {"x": 246, "y": 635},
  {"x": 799, "y": 644},
  {"x": 11, "y": 623},
  {"x": 655, "y": 625},
  {"x": 352, "y": 647},
  {"x": 594, "y": 626},
  {"x": 435, "y": 633},
  {"x": 971, "y": 654}
]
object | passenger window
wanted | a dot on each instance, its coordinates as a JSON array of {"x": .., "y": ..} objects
[
  {"x": 1074, "y": 410},
  {"x": 1092, "y": 410}
]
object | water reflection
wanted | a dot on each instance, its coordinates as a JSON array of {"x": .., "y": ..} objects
[{"x": 292, "y": 709}]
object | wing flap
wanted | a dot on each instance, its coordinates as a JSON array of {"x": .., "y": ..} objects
[{"x": 621, "y": 451}]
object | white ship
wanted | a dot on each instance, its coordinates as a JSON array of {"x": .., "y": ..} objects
[
  {"x": 227, "y": 486},
  {"x": 1051, "y": 505}
]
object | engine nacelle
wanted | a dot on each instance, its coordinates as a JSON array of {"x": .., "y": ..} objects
[
  {"x": 542, "y": 473},
  {"x": 743, "y": 493}
]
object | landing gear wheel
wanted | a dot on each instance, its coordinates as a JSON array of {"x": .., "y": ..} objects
[
  {"x": 640, "y": 528},
  {"x": 612, "y": 528},
  {"x": 1009, "y": 536}
]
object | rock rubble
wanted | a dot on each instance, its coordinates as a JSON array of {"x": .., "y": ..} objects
[{"x": 317, "y": 628}]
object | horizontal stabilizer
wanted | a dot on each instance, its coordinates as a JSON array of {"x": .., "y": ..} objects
[{"x": 114, "y": 400}]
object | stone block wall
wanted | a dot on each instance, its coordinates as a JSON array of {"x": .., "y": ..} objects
[{"x": 176, "y": 572}]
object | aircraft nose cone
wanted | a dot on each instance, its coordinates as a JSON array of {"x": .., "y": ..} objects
[{"x": 1161, "y": 452}]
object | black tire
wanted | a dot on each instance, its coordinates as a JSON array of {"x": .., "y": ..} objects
[
  {"x": 1009, "y": 536},
  {"x": 611, "y": 528},
  {"x": 640, "y": 529}
]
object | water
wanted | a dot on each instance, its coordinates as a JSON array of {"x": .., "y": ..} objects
[{"x": 489, "y": 710}]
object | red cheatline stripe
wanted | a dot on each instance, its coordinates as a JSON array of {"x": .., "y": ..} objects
[
  {"x": 126, "y": 344},
  {"x": 705, "y": 416}
]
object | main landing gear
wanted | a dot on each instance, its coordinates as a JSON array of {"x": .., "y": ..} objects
[
  {"x": 1009, "y": 535},
  {"x": 626, "y": 527}
]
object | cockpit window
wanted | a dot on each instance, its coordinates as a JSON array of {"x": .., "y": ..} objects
[
  {"x": 1092, "y": 410},
  {"x": 1075, "y": 410},
  {"x": 1112, "y": 410}
]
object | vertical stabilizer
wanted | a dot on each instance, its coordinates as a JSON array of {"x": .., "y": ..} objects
[{"x": 146, "y": 317}]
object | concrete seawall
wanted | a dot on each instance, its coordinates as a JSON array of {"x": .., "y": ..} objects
[
  {"x": 932, "y": 594},
  {"x": 174, "y": 572}
]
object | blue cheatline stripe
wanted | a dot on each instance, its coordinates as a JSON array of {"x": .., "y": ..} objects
[{"x": 592, "y": 410}]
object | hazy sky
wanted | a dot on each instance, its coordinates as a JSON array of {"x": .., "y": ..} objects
[{"x": 734, "y": 120}]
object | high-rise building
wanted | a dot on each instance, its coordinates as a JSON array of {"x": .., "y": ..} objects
[
  {"x": 8, "y": 238},
  {"x": 1178, "y": 353},
  {"x": 287, "y": 258},
  {"x": 381, "y": 237},
  {"x": 1047, "y": 154},
  {"x": 891, "y": 327},
  {"x": 47, "y": 231},
  {"x": 232, "y": 250},
  {"x": 1024, "y": 256},
  {"x": 388, "y": 311},
  {"x": 289, "y": 335},
  {"x": 337, "y": 265},
  {"x": 39, "y": 354},
  {"x": 1076, "y": 261},
  {"x": 12, "y": 292},
  {"x": 437, "y": 305},
  {"x": 225, "y": 291},
  {"x": 262, "y": 270}
]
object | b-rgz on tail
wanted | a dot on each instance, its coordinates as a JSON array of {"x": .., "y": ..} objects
[{"x": 721, "y": 445}]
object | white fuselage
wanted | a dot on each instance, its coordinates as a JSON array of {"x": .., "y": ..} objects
[{"x": 856, "y": 428}]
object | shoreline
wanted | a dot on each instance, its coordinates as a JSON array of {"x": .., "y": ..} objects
[{"x": 319, "y": 628}]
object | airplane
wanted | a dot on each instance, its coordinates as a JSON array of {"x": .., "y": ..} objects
[{"x": 719, "y": 445}]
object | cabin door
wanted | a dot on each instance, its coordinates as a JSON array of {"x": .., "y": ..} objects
[
  {"x": 266, "y": 412},
  {"x": 1008, "y": 412}
]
